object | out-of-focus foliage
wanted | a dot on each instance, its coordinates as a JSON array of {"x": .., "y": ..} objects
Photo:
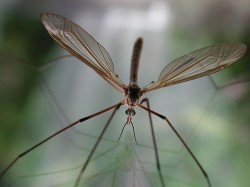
[{"x": 36, "y": 102}]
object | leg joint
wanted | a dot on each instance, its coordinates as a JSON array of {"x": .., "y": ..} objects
[{"x": 162, "y": 117}]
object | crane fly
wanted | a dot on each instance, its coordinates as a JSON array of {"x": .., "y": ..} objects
[{"x": 82, "y": 45}]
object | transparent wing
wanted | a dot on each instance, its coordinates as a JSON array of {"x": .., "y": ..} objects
[
  {"x": 83, "y": 46},
  {"x": 199, "y": 63}
]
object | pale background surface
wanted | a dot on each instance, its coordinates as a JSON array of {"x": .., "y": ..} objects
[{"x": 214, "y": 123}]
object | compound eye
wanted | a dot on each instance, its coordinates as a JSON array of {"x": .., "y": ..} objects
[
  {"x": 133, "y": 112},
  {"x": 130, "y": 112},
  {"x": 127, "y": 112}
]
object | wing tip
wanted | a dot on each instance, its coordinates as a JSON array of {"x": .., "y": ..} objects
[{"x": 44, "y": 15}]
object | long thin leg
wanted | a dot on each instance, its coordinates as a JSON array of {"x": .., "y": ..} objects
[
  {"x": 134, "y": 133},
  {"x": 53, "y": 135},
  {"x": 96, "y": 144},
  {"x": 122, "y": 131},
  {"x": 180, "y": 138},
  {"x": 154, "y": 142},
  {"x": 227, "y": 84}
]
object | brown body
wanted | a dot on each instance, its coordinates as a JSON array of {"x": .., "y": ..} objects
[
  {"x": 133, "y": 92},
  {"x": 82, "y": 45}
]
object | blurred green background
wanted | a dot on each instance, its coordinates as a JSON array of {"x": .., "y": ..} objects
[{"x": 39, "y": 95}]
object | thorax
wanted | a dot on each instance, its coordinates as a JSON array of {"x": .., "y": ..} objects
[{"x": 133, "y": 94}]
